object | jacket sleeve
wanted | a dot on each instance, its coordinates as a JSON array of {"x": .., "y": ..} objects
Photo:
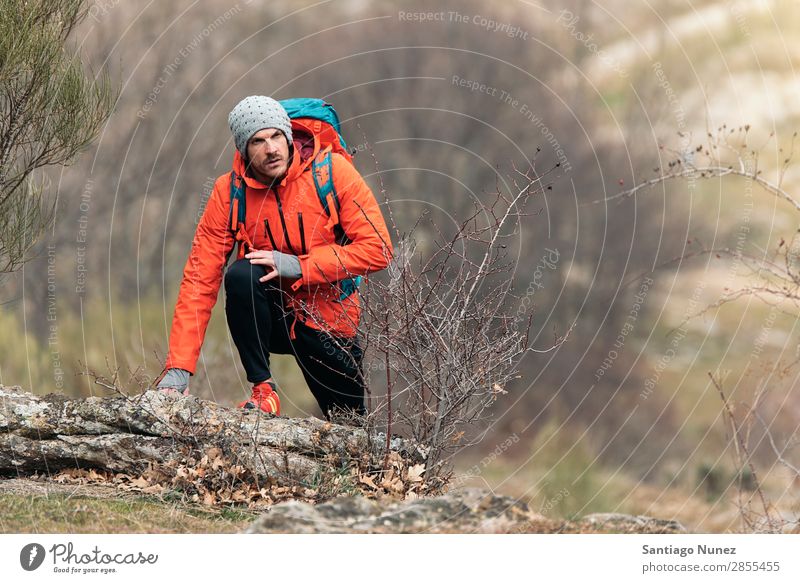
[
  {"x": 370, "y": 248},
  {"x": 202, "y": 277}
]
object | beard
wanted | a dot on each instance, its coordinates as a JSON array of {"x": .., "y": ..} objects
[{"x": 266, "y": 174}]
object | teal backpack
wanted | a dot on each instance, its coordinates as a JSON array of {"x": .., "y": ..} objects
[{"x": 322, "y": 120}]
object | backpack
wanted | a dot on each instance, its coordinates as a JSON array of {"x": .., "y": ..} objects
[{"x": 323, "y": 121}]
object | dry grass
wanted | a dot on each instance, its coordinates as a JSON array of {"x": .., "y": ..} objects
[{"x": 32, "y": 507}]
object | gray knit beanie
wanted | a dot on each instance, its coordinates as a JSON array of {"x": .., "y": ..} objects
[{"x": 255, "y": 113}]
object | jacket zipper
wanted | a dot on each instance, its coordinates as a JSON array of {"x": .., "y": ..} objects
[
  {"x": 302, "y": 232},
  {"x": 283, "y": 223},
  {"x": 274, "y": 247},
  {"x": 268, "y": 231}
]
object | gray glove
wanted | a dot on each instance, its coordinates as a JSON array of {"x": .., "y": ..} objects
[
  {"x": 287, "y": 265},
  {"x": 175, "y": 378}
]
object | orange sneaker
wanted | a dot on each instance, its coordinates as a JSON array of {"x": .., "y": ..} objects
[{"x": 264, "y": 397}]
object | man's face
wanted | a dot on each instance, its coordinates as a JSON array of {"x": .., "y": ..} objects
[{"x": 268, "y": 153}]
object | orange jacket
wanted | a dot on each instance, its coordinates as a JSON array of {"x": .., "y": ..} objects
[{"x": 315, "y": 296}]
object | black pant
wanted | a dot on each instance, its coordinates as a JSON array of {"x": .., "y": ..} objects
[{"x": 260, "y": 322}]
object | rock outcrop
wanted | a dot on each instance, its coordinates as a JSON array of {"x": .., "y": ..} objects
[
  {"x": 463, "y": 511},
  {"x": 156, "y": 442},
  {"x": 123, "y": 434},
  {"x": 612, "y": 521}
]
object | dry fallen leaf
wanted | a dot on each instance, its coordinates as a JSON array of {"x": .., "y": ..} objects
[
  {"x": 365, "y": 479},
  {"x": 415, "y": 473},
  {"x": 140, "y": 483}
]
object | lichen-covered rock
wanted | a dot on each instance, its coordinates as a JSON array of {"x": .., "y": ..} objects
[
  {"x": 462, "y": 511},
  {"x": 611, "y": 521},
  {"x": 469, "y": 510},
  {"x": 127, "y": 434}
]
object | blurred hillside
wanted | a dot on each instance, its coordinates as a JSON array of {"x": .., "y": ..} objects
[{"x": 441, "y": 102}]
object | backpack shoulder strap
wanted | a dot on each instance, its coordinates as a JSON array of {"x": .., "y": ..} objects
[
  {"x": 322, "y": 169},
  {"x": 238, "y": 201},
  {"x": 237, "y": 214}
]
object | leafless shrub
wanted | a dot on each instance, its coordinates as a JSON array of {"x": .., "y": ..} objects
[
  {"x": 775, "y": 276},
  {"x": 444, "y": 329},
  {"x": 730, "y": 152},
  {"x": 763, "y": 518},
  {"x": 724, "y": 152}
]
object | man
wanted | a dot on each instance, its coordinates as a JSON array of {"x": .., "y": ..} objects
[{"x": 284, "y": 295}]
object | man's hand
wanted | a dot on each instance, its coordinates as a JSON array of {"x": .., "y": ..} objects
[
  {"x": 278, "y": 264},
  {"x": 175, "y": 379}
]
